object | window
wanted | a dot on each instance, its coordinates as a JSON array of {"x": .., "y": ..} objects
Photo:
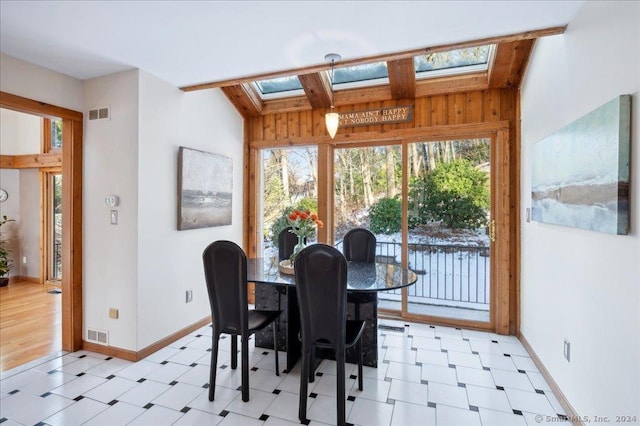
[
  {"x": 470, "y": 59},
  {"x": 56, "y": 133},
  {"x": 279, "y": 87},
  {"x": 360, "y": 75},
  {"x": 289, "y": 181}
]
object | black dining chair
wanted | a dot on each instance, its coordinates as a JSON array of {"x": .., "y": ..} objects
[
  {"x": 321, "y": 285},
  {"x": 225, "y": 270},
  {"x": 286, "y": 242},
  {"x": 359, "y": 245}
]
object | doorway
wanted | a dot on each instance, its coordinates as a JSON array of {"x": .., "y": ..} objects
[{"x": 70, "y": 162}]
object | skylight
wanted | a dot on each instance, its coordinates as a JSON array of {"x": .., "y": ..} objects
[
  {"x": 360, "y": 75},
  {"x": 437, "y": 64},
  {"x": 281, "y": 86},
  {"x": 452, "y": 61}
]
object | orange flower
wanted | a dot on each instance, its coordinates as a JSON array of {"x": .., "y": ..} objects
[{"x": 304, "y": 224}]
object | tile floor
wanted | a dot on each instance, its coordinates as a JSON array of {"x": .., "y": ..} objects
[{"x": 429, "y": 375}]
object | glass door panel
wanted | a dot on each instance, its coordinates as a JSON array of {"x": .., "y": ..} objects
[
  {"x": 449, "y": 211},
  {"x": 289, "y": 181},
  {"x": 368, "y": 194},
  {"x": 53, "y": 228}
]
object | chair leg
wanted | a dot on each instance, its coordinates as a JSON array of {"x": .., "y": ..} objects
[
  {"x": 340, "y": 396},
  {"x": 245, "y": 368},
  {"x": 276, "y": 326},
  {"x": 304, "y": 385},
  {"x": 312, "y": 361},
  {"x": 214, "y": 366},
  {"x": 234, "y": 351},
  {"x": 359, "y": 363}
]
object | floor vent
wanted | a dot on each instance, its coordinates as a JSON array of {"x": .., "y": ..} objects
[
  {"x": 102, "y": 113},
  {"x": 98, "y": 336}
]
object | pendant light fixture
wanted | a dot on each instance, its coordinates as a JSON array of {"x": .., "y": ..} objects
[{"x": 332, "y": 118}]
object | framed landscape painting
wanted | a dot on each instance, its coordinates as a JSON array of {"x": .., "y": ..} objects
[
  {"x": 580, "y": 174},
  {"x": 205, "y": 185}
]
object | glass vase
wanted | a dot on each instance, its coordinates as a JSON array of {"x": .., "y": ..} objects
[{"x": 297, "y": 249}]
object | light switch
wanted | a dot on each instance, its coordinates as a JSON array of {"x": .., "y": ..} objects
[
  {"x": 113, "y": 313},
  {"x": 114, "y": 217}
]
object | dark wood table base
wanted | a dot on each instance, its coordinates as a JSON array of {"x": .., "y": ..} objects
[{"x": 269, "y": 296}]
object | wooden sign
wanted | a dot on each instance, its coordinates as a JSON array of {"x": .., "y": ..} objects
[{"x": 386, "y": 115}]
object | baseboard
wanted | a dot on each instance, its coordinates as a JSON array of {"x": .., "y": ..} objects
[
  {"x": 172, "y": 338},
  {"x": 145, "y": 352},
  {"x": 110, "y": 351},
  {"x": 571, "y": 413}
]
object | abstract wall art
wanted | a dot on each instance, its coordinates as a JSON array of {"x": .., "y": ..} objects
[
  {"x": 580, "y": 173},
  {"x": 205, "y": 185}
]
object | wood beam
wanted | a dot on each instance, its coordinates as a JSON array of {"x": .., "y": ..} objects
[
  {"x": 317, "y": 88},
  {"x": 527, "y": 35},
  {"x": 17, "y": 103},
  {"x": 402, "y": 78},
  {"x": 423, "y": 134},
  {"x": 510, "y": 62},
  {"x": 298, "y": 103},
  {"x": 31, "y": 161},
  {"x": 453, "y": 84},
  {"x": 244, "y": 98}
]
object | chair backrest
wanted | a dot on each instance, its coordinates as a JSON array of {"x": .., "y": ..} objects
[
  {"x": 321, "y": 285},
  {"x": 359, "y": 244},
  {"x": 286, "y": 242},
  {"x": 225, "y": 271}
]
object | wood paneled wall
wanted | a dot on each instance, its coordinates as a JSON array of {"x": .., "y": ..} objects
[{"x": 430, "y": 111}]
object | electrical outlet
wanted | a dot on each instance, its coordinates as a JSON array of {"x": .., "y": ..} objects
[
  {"x": 189, "y": 296},
  {"x": 24, "y": 259},
  {"x": 567, "y": 350}
]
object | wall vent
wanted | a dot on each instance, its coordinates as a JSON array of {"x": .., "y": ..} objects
[
  {"x": 102, "y": 113},
  {"x": 98, "y": 336}
]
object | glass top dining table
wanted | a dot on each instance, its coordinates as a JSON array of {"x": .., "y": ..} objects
[{"x": 360, "y": 276}]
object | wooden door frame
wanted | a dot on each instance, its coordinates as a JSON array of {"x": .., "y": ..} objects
[{"x": 72, "y": 129}]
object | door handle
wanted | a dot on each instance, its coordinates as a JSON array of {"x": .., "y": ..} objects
[{"x": 492, "y": 231}]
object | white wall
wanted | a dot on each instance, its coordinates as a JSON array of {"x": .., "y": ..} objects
[
  {"x": 143, "y": 265},
  {"x": 578, "y": 284},
  {"x": 29, "y": 224},
  {"x": 21, "y": 133},
  {"x": 10, "y": 182},
  {"x": 31, "y": 81},
  {"x": 170, "y": 261},
  {"x": 111, "y": 168}
]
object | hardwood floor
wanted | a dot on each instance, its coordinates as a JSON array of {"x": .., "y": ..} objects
[{"x": 30, "y": 323}]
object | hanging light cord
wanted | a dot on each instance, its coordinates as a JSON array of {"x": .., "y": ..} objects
[{"x": 332, "y": 63}]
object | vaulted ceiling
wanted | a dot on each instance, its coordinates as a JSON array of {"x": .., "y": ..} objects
[
  {"x": 505, "y": 69},
  {"x": 187, "y": 43}
]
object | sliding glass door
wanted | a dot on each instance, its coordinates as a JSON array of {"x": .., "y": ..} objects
[
  {"x": 438, "y": 220},
  {"x": 449, "y": 214}
]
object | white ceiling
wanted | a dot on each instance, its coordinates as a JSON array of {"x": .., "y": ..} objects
[{"x": 191, "y": 42}]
